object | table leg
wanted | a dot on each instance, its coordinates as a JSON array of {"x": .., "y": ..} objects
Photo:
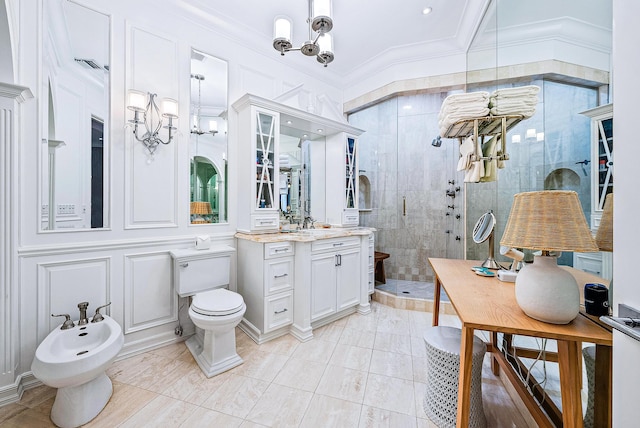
[
  {"x": 569, "y": 356},
  {"x": 495, "y": 367},
  {"x": 602, "y": 393},
  {"x": 436, "y": 302},
  {"x": 464, "y": 381}
]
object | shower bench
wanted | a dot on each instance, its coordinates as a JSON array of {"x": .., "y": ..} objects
[{"x": 379, "y": 266}]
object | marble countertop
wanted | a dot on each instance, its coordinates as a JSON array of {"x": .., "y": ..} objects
[{"x": 306, "y": 235}]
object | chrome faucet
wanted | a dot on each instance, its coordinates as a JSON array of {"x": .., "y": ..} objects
[
  {"x": 98, "y": 316},
  {"x": 308, "y": 223},
  {"x": 83, "y": 313}
]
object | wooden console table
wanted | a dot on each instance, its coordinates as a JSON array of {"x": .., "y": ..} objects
[{"x": 485, "y": 303}]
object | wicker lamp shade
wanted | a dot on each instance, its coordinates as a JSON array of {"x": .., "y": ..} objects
[
  {"x": 200, "y": 208},
  {"x": 549, "y": 220},
  {"x": 604, "y": 237}
]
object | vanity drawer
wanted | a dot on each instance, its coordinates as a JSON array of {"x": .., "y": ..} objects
[
  {"x": 335, "y": 244},
  {"x": 278, "y": 275},
  {"x": 350, "y": 218},
  {"x": 278, "y": 249},
  {"x": 278, "y": 311},
  {"x": 268, "y": 221}
]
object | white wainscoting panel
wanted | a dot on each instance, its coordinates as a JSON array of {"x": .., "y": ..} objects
[
  {"x": 150, "y": 299},
  {"x": 257, "y": 83},
  {"x": 64, "y": 284},
  {"x": 151, "y": 185}
]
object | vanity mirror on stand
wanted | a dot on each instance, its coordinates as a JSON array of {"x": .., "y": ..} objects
[
  {"x": 208, "y": 139},
  {"x": 74, "y": 129}
]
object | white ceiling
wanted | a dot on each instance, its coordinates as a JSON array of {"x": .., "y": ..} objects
[{"x": 364, "y": 31}]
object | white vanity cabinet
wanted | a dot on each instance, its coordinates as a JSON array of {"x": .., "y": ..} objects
[
  {"x": 335, "y": 276},
  {"x": 599, "y": 263},
  {"x": 371, "y": 265},
  {"x": 601, "y": 159},
  {"x": 266, "y": 280},
  {"x": 342, "y": 180},
  {"x": 258, "y": 173}
]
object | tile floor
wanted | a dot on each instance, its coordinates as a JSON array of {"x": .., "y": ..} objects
[
  {"x": 360, "y": 371},
  {"x": 410, "y": 289}
]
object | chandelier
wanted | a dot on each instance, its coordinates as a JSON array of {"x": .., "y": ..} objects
[
  {"x": 213, "y": 125},
  {"x": 319, "y": 44}
]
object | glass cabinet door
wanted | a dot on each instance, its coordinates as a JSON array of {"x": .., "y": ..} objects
[
  {"x": 351, "y": 172},
  {"x": 605, "y": 160},
  {"x": 265, "y": 161}
]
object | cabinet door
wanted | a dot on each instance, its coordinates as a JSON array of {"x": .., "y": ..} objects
[
  {"x": 605, "y": 160},
  {"x": 323, "y": 285},
  {"x": 266, "y": 161},
  {"x": 351, "y": 169},
  {"x": 348, "y": 279}
]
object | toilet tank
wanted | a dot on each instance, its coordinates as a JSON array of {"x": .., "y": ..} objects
[{"x": 195, "y": 271}]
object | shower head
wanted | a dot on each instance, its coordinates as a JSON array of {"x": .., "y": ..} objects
[{"x": 437, "y": 142}]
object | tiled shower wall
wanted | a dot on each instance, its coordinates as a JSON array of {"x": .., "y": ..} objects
[
  {"x": 409, "y": 177},
  {"x": 548, "y": 164}
]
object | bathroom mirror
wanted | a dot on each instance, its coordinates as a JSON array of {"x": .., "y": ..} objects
[
  {"x": 301, "y": 158},
  {"x": 291, "y": 177},
  {"x": 74, "y": 107},
  {"x": 208, "y": 139}
]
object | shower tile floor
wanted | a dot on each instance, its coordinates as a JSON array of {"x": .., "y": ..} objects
[{"x": 411, "y": 289}]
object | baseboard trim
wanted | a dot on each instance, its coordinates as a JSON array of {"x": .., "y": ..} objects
[{"x": 13, "y": 393}]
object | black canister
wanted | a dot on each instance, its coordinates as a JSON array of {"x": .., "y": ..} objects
[{"x": 596, "y": 299}]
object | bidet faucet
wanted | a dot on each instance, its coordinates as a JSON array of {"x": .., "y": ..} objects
[
  {"x": 67, "y": 324},
  {"x": 83, "y": 313},
  {"x": 98, "y": 316}
]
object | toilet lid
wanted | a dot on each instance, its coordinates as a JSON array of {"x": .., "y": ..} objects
[{"x": 217, "y": 302}]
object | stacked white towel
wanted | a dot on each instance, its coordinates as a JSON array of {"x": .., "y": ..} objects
[
  {"x": 510, "y": 101},
  {"x": 462, "y": 106},
  {"x": 284, "y": 160}
]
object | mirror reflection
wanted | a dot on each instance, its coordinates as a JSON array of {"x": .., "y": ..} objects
[
  {"x": 301, "y": 158},
  {"x": 208, "y": 142},
  {"x": 75, "y": 118}
]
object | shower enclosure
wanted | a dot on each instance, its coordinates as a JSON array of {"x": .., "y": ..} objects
[
  {"x": 415, "y": 193},
  {"x": 417, "y": 200}
]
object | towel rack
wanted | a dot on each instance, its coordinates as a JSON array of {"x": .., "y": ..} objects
[{"x": 481, "y": 127}]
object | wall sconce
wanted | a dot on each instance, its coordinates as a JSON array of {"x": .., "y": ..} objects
[{"x": 145, "y": 104}]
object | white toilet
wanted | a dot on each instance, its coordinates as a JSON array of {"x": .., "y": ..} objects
[{"x": 204, "y": 275}]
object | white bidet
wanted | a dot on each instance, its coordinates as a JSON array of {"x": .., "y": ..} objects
[{"x": 74, "y": 360}]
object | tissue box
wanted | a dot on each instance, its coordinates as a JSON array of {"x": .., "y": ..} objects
[{"x": 203, "y": 242}]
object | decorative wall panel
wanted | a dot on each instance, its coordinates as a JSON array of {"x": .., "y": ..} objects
[{"x": 150, "y": 299}]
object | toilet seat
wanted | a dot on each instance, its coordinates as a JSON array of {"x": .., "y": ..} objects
[{"x": 218, "y": 302}]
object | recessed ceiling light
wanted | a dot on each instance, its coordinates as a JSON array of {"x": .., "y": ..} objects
[
  {"x": 289, "y": 122},
  {"x": 407, "y": 107},
  {"x": 304, "y": 135},
  {"x": 320, "y": 130},
  {"x": 426, "y": 11}
]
